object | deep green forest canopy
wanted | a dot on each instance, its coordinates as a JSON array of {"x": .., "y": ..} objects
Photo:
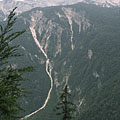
[{"x": 11, "y": 76}]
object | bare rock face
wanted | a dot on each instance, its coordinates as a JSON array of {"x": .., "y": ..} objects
[{"x": 24, "y": 5}]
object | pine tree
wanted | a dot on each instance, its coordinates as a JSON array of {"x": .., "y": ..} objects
[
  {"x": 10, "y": 76},
  {"x": 65, "y": 108}
]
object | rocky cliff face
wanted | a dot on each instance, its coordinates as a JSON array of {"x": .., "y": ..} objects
[
  {"x": 76, "y": 45},
  {"x": 24, "y": 5}
]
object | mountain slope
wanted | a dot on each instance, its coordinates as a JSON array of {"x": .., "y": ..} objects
[
  {"x": 78, "y": 45},
  {"x": 24, "y": 5}
]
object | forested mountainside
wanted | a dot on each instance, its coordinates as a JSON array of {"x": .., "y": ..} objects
[{"x": 78, "y": 45}]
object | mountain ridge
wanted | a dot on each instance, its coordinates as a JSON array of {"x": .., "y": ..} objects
[{"x": 24, "y": 5}]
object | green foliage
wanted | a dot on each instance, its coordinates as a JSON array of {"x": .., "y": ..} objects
[
  {"x": 10, "y": 75},
  {"x": 65, "y": 108}
]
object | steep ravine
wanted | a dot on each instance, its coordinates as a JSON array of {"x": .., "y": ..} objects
[{"x": 48, "y": 71}]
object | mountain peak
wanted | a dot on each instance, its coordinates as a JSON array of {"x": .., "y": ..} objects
[{"x": 24, "y": 5}]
